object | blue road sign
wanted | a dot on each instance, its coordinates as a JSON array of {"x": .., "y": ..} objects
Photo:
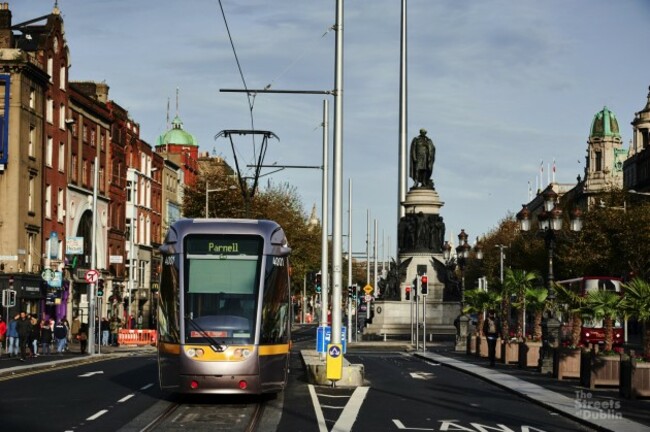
[
  {"x": 324, "y": 338},
  {"x": 334, "y": 351}
]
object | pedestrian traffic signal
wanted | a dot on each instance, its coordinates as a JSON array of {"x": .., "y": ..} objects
[
  {"x": 351, "y": 291},
  {"x": 424, "y": 285},
  {"x": 318, "y": 282},
  {"x": 408, "y": 293},
  {"x": 100, "y": 288}
]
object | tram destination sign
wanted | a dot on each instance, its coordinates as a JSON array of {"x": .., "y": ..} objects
[{"x": 223, "y": 245}]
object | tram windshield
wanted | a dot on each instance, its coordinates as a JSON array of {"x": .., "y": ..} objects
[{"x": 222, "y": 279}]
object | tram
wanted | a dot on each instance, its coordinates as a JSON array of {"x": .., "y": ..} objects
[{"x": 224, "y": 307}]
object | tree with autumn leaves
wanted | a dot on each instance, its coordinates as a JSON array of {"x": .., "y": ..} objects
[{"x": 280, "y": 203}]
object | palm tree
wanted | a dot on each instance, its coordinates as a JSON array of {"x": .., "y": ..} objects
[
  {"x": 636, "y": 303},
  {"x": 535, "y": 301},
  {"x": 477, "y": 301},
  {"x": 516, "y": 282},
  {"x": 605, "y": 305},
  {"x": 574, "y": 304}
]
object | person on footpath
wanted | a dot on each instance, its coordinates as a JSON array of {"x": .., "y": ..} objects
[
  {"x": 12, "y": 334},
  {"x": 24, "y": 327},
  {"x": 83, "y": 338},
  {"x": 34, "y": 335},
  {"x": 491, "y": 329},
  {"x": 106, "y": 331},
  {"x": 66, "y": 323},
  {"x": 3, "y": 334},
  {"x": 61, "y": 336},
  {"x": 46, "y": 336}
]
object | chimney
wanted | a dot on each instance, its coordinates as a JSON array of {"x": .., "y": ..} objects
[{"x": 6, "y": 36}]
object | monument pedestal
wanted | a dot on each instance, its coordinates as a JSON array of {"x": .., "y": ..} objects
[{"x": 421, "y": 237}]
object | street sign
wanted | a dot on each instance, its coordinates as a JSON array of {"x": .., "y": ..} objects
[
  {"x": 91, "y": 276},
  {"x": 368, "y": 289},
  {"x": 368, "y": 298}
]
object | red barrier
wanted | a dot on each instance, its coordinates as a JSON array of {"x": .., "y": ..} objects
[{"x": 137, "y": 337}]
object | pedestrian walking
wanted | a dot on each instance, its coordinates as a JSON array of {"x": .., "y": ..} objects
[
  {"x": 3, "y": 334},
  {"x": 83, "y": 338},
  {"x": 24, "y": 327},
  {"x": 491, "y": 329},
  {"x": 34, "y": 335},
  {"x": 106, "y": 331},
  {"x": 12, "y": 336},
  {"x": 61, "y": 336},
  {"x": 46, "y": 337}
]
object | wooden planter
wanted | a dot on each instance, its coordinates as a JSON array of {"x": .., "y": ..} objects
[
  {"x": 566, "y": 363},
  {"x": 483, "y": 347},
  {"x": 599, "y": 370},
  {"x": 529, "y": 354},
  {"x": 473, "y": 344},
  {"x": 635, "y": 379},
  {"x": 509, "y": 352},
  {"x": 497, "y": 351}
]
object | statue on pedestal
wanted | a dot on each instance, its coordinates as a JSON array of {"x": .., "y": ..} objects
[{"x": 423, "y": 155}]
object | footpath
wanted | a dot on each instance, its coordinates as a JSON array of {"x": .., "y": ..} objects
[
  {"x": 12, "y": 365},
  {"x": 601, "y": 408}
]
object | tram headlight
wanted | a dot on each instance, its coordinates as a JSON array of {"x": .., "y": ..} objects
[
  {"x": 195, "y": 352},
  {"x": 242, "y": 353}
]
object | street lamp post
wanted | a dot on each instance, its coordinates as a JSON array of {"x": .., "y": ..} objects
[
  {"x": 550, "y": 222},
  {"x": 462, "y": 257},
  {"x": 207, "y": 194}
]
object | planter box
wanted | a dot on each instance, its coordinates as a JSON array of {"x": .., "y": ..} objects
[
  {"x": 473, "y": 344},
  {"x": 509, "y": 352},
  {"x": 635, "y": 379},
  {"x": 566, "y": 363},
  {"x": 497, "y": 355},
  {"x": 483, "y": 347},
  {"x": 529, "y": 353},
  {"x": 598, "y": 370}
]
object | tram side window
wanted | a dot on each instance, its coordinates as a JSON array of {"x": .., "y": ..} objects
[
  {"x": 275, "y": 310},
  {"x": 168, "y": 304}
]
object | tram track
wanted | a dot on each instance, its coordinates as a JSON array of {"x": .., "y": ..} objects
[{"x": 213, "y": 415}]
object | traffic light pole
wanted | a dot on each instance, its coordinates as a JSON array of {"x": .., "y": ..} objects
[{"x": 93, "y": 264}]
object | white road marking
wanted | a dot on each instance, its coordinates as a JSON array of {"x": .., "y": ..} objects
[
  {"x": 332, "y": 407},
  {"x": 351, "y": 410},
  {"x": 147, "y": 386},
  {"x": 89, "y": 374},
  {"x": 322, "y": 427},
  {"x": 97, "y": 415},
  {"x": 422, "y": 375},
  {"x": 401, "y": 426},
  {"x": 126, "y": 398}
]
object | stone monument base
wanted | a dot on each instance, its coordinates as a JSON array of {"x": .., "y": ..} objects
[{"x": 393, "y": 318}]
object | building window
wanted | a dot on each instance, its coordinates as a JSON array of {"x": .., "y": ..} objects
[
  {"x": 31, "y": 240},
  {"x": 61, "y": 157},
  {"x": 141, "y": 231},
  {"x": 84, "y": 173},
  {"x": 92, "y": 137},
  {"x": 62, "y": 77},
  {"x": 101, "y": 179},
  {"x": 31, "y": 198},
  {"x": 102, "y": 141},
  {"x": 49, "y": 110},
  {"x": 32, "y": 98},
  {"x": 62, "y": 117},
  {"x": 48, "y": 152},
  {"x": 59, "y": 206},
  {"x": 73, "y": 167},
  {"x": 599, "y": 161},
  {"x": 48, "y": 201},
  {"x": 32, "y": 140},
  {"x": 91, "y": 175},
  {"x": 148, "y": 231},
  {"x": 50, "y": 67}
]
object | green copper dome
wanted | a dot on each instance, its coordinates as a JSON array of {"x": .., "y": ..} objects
[
  {"x": 176, "y": 135},
  {"x": 605, "y": 125}
]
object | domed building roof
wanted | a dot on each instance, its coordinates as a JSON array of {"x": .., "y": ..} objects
[
  {"x": 176, "y": 135},
  {"x": 605, "y": 124}
]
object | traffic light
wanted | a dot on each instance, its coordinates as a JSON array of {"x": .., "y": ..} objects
[
  {"x": 424, "y": 282},
  {"x": 100, "y": 288},
  {"x": 351, "y": 291},
  {"x": 318, "y": 282},
  {"x": 408, "y": 293}
]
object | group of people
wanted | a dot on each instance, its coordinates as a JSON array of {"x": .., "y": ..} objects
[{"x": 26, "y": 333}]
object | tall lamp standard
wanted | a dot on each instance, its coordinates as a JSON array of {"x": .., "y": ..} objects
[
  {"x": 549, "y": 223},
  {"x": 207, "y": 194},
  {"x": 462, "y": 256}
]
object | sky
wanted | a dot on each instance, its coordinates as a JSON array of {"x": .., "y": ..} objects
[{"x": 503, "y": 88}]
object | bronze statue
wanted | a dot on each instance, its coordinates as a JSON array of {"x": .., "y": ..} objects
[{"x": 423, "y": 154}]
